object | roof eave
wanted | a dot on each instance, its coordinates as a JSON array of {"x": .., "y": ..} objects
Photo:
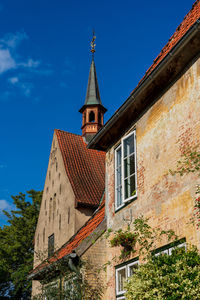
[{"x": 116, "y": 126}]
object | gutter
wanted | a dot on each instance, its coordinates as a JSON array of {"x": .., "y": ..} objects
[{"x": 147, "y": 81}]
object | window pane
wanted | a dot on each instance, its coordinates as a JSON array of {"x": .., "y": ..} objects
[
  {"x": 132, "y": 269},
  {"x": 119, "y": 196},
  {"x": 119, "y": 176},
  {"x": 129, "y": 165},
  {"x": 129, "y": 186},
  {"x": 119, "y": 155},
  {"x": 129, "y": 145},
  {"x": 121, "y": 278},
  {"x": 50, "y": 245}
]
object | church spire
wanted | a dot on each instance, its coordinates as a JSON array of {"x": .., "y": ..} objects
[{"x": 92, "y": 110}]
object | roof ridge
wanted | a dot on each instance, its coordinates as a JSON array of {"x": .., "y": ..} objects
[
  {"x": 67, "y": 132},
  {"x": 170, "y": 45}
]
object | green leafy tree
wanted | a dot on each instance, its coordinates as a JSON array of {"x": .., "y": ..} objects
[
  {"x": 17, "y": 247},
  {"x": 167, "y": 277}
]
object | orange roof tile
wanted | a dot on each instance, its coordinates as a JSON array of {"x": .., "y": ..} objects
[
  {"x": 85, "y": 168},
  {"x": 188, "y": 21},
  {"x": 78, "y": 238}
]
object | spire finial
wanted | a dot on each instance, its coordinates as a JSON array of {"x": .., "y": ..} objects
[{"x": 92, "y": 44}]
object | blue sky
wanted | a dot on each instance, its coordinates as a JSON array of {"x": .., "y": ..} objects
[{"x": 44, "y": 66}]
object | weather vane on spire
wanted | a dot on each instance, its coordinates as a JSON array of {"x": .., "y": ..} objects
[{"x": 92, "y": 44}]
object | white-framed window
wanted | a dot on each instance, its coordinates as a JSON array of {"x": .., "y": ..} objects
[
  {"x": 125, "y": 170},
  {"x": 170, "y": 249},
  {"x": 121, "y": 275}
]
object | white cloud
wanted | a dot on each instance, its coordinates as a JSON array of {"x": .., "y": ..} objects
[
  {"x": 5, "y": 205},
  {"x": 13, "y": 80},
  {"x": 6, "y": 61},
  {"x": 11, "y": 40},
  {"x": 25, "y": 87},
  {"x": 30, "y": 63}
]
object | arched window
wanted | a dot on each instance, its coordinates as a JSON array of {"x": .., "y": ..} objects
[{"x": 91, "y": 117}]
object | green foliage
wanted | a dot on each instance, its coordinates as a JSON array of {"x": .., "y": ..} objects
[
  {"x": 83, "y": 282},
  {"x": 167, "y": 277},
  {"x": 189, "y": 163},
  {"x": 16, "y": 246},
  {"x": 141, "y": 235},
  {"x": 126, "y": 239}
]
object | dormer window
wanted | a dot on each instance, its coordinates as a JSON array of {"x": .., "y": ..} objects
[{"x": 125, "y": 171}]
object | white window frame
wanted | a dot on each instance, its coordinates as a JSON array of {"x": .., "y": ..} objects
[
  {"x": 169, "y": 250},
  {"x": 124, "y": 201},
  {"x": 117, "y": 288},
  {"x": 120, "y": 294}
]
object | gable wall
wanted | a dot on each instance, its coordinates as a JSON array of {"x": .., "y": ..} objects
[
  {"x": 171, "y": 125},
  {"x": 58, "y": 214}
]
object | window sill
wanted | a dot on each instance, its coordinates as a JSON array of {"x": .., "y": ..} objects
[{"x": 126, "y": 203}]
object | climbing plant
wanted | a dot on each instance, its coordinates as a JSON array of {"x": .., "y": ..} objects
[{"x": 167, "y": 277}]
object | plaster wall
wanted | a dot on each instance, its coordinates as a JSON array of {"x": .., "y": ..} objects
[{"x": 169, "y": 127}]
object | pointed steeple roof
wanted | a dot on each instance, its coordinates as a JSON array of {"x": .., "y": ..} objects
[{"x": 92, "y": 95}]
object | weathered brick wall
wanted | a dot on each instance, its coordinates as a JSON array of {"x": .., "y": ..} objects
[
  {"x": 96, "y": 256},
  {"x": 171, "y": 125}
]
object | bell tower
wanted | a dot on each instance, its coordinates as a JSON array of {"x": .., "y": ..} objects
[{"x": 92, "y": 111}]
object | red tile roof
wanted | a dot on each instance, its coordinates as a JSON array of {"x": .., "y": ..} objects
[
  {"x": 85, "y": 168},
  {"x": 188, "y": 21},
  {"x": 78, "y": 238}
]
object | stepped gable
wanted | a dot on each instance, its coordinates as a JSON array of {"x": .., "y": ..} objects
[
  {"x": 85, "y": 168},
  {"x": 188, "y": 21},
  {"x": 87, "y": 229}
]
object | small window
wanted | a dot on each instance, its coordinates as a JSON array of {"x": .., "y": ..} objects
[
  {"x": 60, "y": 222},
  {"x": 91, "y": 117},
  {"x": 121, "y": 275},
  {"x": 68, "y": 215},
  {"x": 125, "y": 171},
  {"x": 43, "y": 235},
  {"x": 50, "y": 245}
]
